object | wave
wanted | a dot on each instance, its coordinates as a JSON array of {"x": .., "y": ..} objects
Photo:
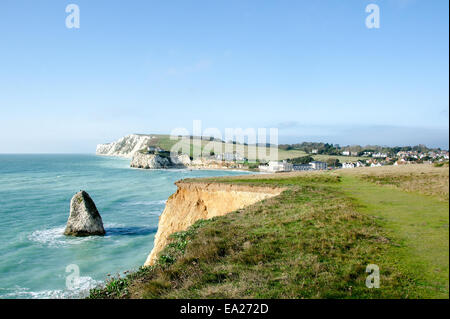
[
  {"x": 152, "y": 212},
  {"x": 80, "y": 289},
  {"x": 145, "y": 203},
  {"x": 55, "y": 237}
]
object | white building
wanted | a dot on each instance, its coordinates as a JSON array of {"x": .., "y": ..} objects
[
  {"x": 229, "y": 157},
  {"x": 380, "y": 155},
  {"x": 302, "y": 167},
  {"x": 352, "y": 165},
  {"x": 317, "y": 165},
  {"x": 274, "y": 167}
]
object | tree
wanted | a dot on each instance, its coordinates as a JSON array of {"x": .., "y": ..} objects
[
  {"x": 333, "y": 162},
  {"x": 301, "y": 160}
]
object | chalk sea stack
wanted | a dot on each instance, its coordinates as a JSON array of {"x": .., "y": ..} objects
[{"x": 84, "y": 218}]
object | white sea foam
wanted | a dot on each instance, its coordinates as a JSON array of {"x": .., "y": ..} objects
[
  {"x": 54, "y": 237},
  {"x": 145, "y": 203},
  {"x": 159, "y": 202},
  {"x": 81, "y": 287},
  {"x": 153, "y": 212}
]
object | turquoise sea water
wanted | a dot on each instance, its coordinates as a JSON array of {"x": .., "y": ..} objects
[{"x": 35, "y": 191}]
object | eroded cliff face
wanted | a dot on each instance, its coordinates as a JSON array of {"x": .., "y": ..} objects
[
  {"x": 152, "y": 161},
  {"x": 193, "y": 201},
  {"x": 149, "y": 161}
]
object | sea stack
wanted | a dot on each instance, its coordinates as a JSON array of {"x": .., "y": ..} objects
[{"x": 84, "y": 218}]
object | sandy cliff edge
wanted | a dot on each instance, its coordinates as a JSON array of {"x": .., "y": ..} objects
[{"x": 201, "y": 200}]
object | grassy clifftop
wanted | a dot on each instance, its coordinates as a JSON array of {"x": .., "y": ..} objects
[
  {"x": 165, "y": 142},
  {"x": 314, "y": 240}
]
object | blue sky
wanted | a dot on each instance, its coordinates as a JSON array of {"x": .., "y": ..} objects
[{"x": 310, "y": 68}]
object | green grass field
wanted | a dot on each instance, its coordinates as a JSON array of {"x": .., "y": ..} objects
[
  {"x": 314, "y": 240},
  {"x": 418, "y": 224},
  {"x": 166, "y": 143}
]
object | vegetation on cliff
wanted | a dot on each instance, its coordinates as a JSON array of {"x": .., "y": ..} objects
[
  {"x": 131, "y": 144},
  {"x": 314, "y": 240}
]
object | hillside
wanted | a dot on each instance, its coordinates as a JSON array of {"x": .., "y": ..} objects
[
  {"x": 314, "y": 240},
  {"x": 130, "y": 144}
]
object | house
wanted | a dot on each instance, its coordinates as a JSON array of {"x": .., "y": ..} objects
[
  {"x": 317, "y": 165},
  {"x": 302, "y": 167},
  {"x": 359, "y": 164},
  {"x": 274, "y": 167},
  {"x": 229, "y": 157},
  {"x": 315, "y": 151},
  {"x": 401, "y": 161},
  {"x": 346, "y": 153},
  {"x": 379, "y": 155},
  {"x": 352, "y": 165}
]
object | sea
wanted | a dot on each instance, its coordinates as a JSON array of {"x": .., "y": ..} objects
[{"x": 37, "y": 260}]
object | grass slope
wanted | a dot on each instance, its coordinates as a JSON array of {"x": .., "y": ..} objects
[
  {"x": 313, "y": 241},
  {"x": 418, "y": 224},
  {"x": 424, "y": 179},
  {"x": 166, "y": 143}
]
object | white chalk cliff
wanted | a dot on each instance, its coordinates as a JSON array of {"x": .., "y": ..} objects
[
  {"x": 152, "y": 161},
  {"x": 126, "y": 146}
]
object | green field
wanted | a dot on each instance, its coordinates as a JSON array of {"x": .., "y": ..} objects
[
  {"x": 418, "y": 224},
  {"x": 166, "y": 143},
  {"x": 314, "y": 240}
]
